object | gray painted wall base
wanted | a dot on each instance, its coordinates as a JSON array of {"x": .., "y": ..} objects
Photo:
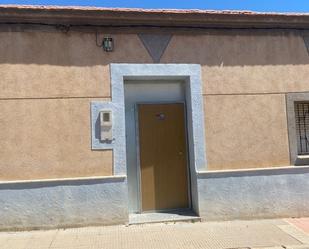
[
  {"x": 52, "y": 204},
  {"x": 254, "y": 194},
  {"x": 251, "y": 194}
]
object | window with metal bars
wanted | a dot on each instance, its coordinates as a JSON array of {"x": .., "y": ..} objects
[{"x": 302, "y": 127}]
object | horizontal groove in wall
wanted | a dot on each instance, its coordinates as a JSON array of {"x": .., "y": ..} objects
[
  {"x": 109, "y": 97},
  {"x": 67, "y": 97},
  {"x": 254, "y": 172},
  {"x": 267, "y": 93},
  {"x": 291, "y": 169},
  {"x": 74, "y": 179}
]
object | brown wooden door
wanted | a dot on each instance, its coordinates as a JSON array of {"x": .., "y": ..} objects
[{"x": 163, "y": 156}]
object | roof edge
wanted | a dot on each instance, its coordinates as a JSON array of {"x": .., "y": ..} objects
[{"x": 76, "y": 15}]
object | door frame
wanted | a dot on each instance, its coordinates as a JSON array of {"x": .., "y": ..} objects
[
  {"x": 191, "y": 75},
  {"x": 138, "y": 172}
]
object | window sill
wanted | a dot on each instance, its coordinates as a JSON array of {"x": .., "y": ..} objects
[{"x": 302, "y": 160}]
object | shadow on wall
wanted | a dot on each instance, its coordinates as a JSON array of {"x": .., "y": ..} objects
[
  {"x": 238, "y": 48},
  {"x": 252, "y": 173},
  {"x": 59, "y": 182},
  {"x": 68, "y": 49},
  {"x": 231, "y": 48}
]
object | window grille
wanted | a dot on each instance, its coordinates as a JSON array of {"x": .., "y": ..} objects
[{"x": 302, "y": 127}]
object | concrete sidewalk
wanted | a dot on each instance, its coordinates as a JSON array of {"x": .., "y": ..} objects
[{"x": 290, "y": 233}]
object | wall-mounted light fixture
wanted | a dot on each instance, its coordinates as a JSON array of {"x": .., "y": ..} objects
[{"x": 107, "y": 43}]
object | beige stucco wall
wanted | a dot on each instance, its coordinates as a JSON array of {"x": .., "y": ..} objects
[
  {"x": 48, "y": 138},
  {"x": 245, "y": 62},
  {"x": 44, "y": 65},
  {"x": 246, "y": 131},
  {"x": 47, "y": 80}
]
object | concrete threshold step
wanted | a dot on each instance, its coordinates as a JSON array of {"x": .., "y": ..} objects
[{"x": 164, "y": 217}]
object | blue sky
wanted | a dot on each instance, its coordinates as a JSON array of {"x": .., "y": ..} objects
[{"x": 255, "y": 5}]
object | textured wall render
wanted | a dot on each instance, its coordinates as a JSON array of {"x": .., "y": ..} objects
[
  {"x": 42, "y": 64},
  {"x": 246, "y": 131},
  {"x": 254, "y": 194},
  {"x": 63, "y": 203},
  {"x": 244, "y": 61},
  {"x": 52, "y": 65},
  {"x": 48, "y": 138}
]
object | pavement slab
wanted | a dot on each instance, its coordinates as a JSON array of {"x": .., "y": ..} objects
[
  {"x": 301, "y": 223},
  {"x": 257, "y": 234}
]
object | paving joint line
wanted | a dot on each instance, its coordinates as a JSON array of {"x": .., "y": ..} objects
[{"x": 53, "y": 239}]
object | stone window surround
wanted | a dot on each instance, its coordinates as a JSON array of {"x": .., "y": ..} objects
[{"x": 291, "y": 98}]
